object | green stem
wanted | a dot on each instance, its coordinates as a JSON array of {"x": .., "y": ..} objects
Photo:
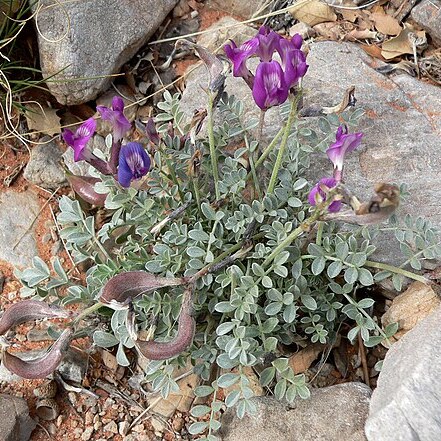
[
  {"x": 194, "y": 183},
  {"x": 253, "y": 169},
  {"x": 270, "y": 148},
  {"x": 304, "y": 226},
  {"x": 213, "y": 155},
  {"x": 273, "y": 179},
  {"x": 172, "y": 174},
  {"x": 320, "y": 227},
  {"x": 88, "y": 311},
  {"x": 396, "y": 270}
]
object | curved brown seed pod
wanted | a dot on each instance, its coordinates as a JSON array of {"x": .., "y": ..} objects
[
  {"x": 27, "y": 310},
  {"x": 83, "y": 186},
  {"x": 186, "y": 329},
  {"x": 126, "y": 286},
  {"x": 43, "y": 366}
]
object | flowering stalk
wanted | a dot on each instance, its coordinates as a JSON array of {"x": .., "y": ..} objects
[
  {"x": 292, "y": 113},
  {"x": 213, "y": 155}
]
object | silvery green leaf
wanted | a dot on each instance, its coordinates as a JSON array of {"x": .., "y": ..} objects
[
  {"x": 227, "y": 380},
  {"x": 309, "y": 302},
  {"x": 365, "y": 277},
  {"x": 318, "y": 265},
  {"x": 104, "y": 339},
  {"x": 203, "y": 391},
  {"x": 225, "y": 328},
  {"x": 334, "y": 269},
  {"x": 197, "y": 428},
  {"x": 232, "y": 398},
  {"x": 121, "y": 357},
  {"x": 200, "y": 410},
  {"x": 351, "y": 275}
]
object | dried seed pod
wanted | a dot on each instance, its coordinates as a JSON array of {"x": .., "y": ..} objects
[
  {"x": 48, "y": 389},
  {"x": 83, "y": 186},
  {"x": 30, "y": 310},
  {"x": 123, "y": 287},
  {"x": 186, "y": 329},
  {"x": 43, "y": 366},
  {"x": 47, "y": 409}
]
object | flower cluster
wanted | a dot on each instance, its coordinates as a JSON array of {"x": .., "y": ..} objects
[
  {"x": 273, "y": 80},
  {"x": 344, "y": 143},
  {"x": 127, "y": 162}
]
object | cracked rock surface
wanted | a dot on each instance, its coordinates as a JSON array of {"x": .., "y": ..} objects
[{"x": 79, "y": 40}]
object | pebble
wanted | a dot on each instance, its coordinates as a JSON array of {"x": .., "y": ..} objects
[
  {"x": 123, "y": 427},
  {"x": 72, "y": 398},
  {"x": 77, "y": 432},
  {"x": 88, "y": 420},
  {"x": 46, "y": 238},
  {"x": 87, "y": 434},
  {"x": 59, "y": 420},
  {"x": 2, "y": 281},
  {"x": 158, "y": 425},
  {"x": 178, "y": 424},
  {"x": 138, "y": 428},
  {"x": 97, "y": 425},
  {"x": 111, "y": 427}
]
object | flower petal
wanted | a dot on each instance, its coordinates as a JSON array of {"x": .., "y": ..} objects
[
  {"x": 269, "y": 86},
  {"x": 268, "y": 43},
  {"x": 345, "y": 142},
  {"x": 118, "y": 103},
  {"x": 318, "y": 195}
]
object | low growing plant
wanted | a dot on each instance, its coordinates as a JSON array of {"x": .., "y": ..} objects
[{"x": 225, "y": 259}]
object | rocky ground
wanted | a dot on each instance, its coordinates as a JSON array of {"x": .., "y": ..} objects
[{"x": 402, "y": 127}]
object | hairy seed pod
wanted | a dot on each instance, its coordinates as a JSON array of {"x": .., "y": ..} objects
[
  {"x": 186, "y": 329},
  {"x": 47, "y": 409},
  {"x": 43, "y": 366},
  {"x": 27, "y": 310},
  {"x": 124, "y": 287},
  {"x": 83, "y": 186},
  {"x": 46, "y": 390}
]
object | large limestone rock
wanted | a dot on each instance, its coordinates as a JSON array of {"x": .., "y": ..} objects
[
  {"x": 405, "y": 406},
  {"x": 402, "y": 126},
  {"x": 333, "y": 413},
  {"x": 92, "y": 38}
]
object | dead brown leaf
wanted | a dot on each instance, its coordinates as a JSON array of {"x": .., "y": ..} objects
[
  {"x": 373, "y": 50},
  {"x": 400, "y": 44},
  {"x": 42, "y": 119},
  {"x": 386, "y": 24},
  {"x": 313, "y": 12},
  {"x": 330, "y": 31},
  {"x": 357, "y": 34},
  {"x": 302, "y": 360}
]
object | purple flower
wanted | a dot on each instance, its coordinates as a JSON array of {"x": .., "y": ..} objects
[
  {"x": 268, "y": 43},
  {"x": 134, "y": 163},
  {"x": 80, "y": 138},
  {"x": 152, "y": 133},
  {"x": 344, "y": 142},
  {"x": 239, "y": 57},
  {"x": 293, "y": 60},
  {"x": 269, "y": 87},
  {"x": 318, "y": 195},
  {"x": 116, "y": 117}
]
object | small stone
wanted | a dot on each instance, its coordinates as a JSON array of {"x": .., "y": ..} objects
[
  {"x": 78, "y": 432},
  {"x": 427, "y": 13},
  {"x": 52, "y": 429},
  {"x": 178, "y": 424},
  {"x": 87, "y": 434},
  {"x": 88, "y": 419},
  {"x": 44, "y": 167},
  {"x": 303, "y": 29},
  {"x": 15, "y": 422},
  {"x": 158, "y": 425},
  {"x": 123, "y": 427},
  {"x": 97, "y": 425},
  {"x": 410, "y": 307},
  {"x": 12, "y": 295},
  {"x": 20, "y": 337},
  {"x": 238, "y": 7},
  {"x": 59, "y": 421},
  {"x": 73, "y": 366},
  {"x": 139, "y": 428},
  {"x": 2, "y": 281},
  {"x": 111, "y": 427},
  {"x": 72, "y": 398}
]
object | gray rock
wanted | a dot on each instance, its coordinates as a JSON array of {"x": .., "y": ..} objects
[
  {"x": 224, "y": 29},
  {"x": 17, "y": 241},
  {"x": 405, "y": 406},
  {"x": 427, "y": 13},
  {"x": 92, "y": 38},
  {"x": 45, "y": 166},
  {"x": 73, "y": 366},
  {"x": 15, "y": 422},
  {"x": 333, "y": 413},
  {"x": 402, "y": 127},
  {"x": 245, "y": 9}
]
